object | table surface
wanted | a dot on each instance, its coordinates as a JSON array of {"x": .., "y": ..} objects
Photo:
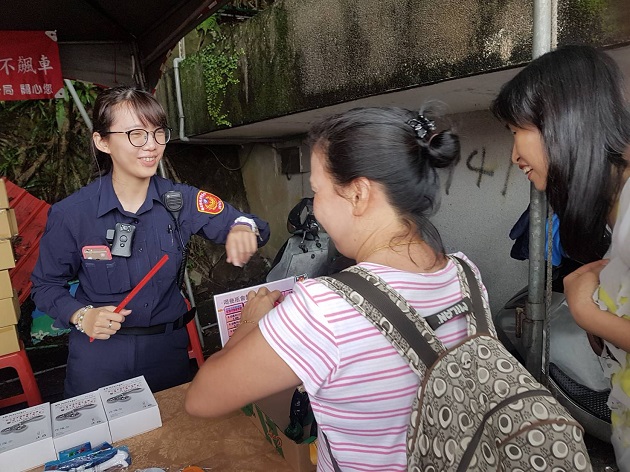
[{"x": 228, "y": 443}]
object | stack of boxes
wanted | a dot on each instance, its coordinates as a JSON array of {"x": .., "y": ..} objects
[
  {"x": 36, "y": 435},
  {"x": 9, "y": 304},
  {"x": 26, "y": 438}
]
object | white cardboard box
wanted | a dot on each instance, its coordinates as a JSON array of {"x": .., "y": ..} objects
[
  {"x": 26, "y": 439},
  {"x": 130, "y": 408},
  {"x": 78, "y": 420},
  {"x": 229, "y": 305}
]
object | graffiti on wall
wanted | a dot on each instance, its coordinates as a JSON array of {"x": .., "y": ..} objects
[{"x": 476, "y": 163}]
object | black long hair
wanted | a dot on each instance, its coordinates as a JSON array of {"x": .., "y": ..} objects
[
  {"x": 380, "y": 145},
  {"x": 574, "y": 97}
]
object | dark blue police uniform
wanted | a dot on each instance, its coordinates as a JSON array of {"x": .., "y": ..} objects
[{"x": 83, "y": 219}]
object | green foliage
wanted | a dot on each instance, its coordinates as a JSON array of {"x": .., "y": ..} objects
[
  {"x": 44, "y": 144},
  {"x": 593, "y": 6},
  {"x": 210, "y": 27},
  {"x": 9, "y": 157},
  {"x": 219, "y": 66}
]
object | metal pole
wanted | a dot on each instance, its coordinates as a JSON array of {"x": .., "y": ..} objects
[
  {"x": 178, "y": 95},
  {"x": 541, "y": 40},
  {"x": 78, "y": 103},
  {"x": 541, "y": 43}
]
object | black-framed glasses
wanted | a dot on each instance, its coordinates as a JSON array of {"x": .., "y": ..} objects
[{"x": 139, "y": 137}]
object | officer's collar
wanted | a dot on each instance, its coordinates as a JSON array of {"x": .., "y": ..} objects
[{"x": 108, "y": 200}]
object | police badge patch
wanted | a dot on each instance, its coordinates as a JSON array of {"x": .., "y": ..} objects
[{"x": 209, "y": 203}]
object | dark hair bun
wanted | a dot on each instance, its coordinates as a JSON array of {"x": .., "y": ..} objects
[{"x": 442, "y": 149}]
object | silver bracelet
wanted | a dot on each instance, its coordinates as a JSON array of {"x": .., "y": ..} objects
[{"x": 82, "y": 312}]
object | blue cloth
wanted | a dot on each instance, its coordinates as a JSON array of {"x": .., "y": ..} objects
[
  {"x": 520, "y": 234},
  {"x": 83, "y": 219},
  {"x": 42, "y": 325}
]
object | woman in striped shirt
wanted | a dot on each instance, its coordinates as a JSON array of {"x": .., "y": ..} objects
[{"x": 373, "y": 174}]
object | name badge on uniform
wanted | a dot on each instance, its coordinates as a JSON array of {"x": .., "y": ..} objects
[{"x": 98, "y": 253}]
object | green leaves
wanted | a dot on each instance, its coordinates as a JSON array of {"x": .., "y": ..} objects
[
  {"x": 210, "y": 27},
  {"x": 219, "y": 66},
  {"x": 218, "y": 73},
  {"x": 44, "y": 144}
]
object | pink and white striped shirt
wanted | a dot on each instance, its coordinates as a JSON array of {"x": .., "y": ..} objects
[{"x": 360, "y": 389}]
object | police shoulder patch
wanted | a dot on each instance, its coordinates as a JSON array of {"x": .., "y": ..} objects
[{"x": 209, "y": 203}]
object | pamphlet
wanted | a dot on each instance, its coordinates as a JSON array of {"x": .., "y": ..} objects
[{"x": 229, "y": 305}]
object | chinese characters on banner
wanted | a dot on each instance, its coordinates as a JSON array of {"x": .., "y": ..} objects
[{"x": 29, "y": 65}]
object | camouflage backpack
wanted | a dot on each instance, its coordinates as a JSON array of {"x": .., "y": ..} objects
[{"x": 477, "y": 407}]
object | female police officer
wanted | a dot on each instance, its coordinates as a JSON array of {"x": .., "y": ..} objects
[{"x": 125, "y": 206}]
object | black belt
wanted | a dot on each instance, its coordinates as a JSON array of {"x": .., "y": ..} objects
[{"x": 160, "y": 328}]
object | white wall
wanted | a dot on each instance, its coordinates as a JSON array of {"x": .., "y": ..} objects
[
  {"x": 477, "y": 212},
  {"x": 270, "y": 194},
  {"x": 479, "y": 209}
]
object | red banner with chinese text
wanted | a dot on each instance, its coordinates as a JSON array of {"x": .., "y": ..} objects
[{"x": 29, "y": 65}]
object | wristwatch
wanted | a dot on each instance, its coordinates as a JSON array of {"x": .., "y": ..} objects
[{"x": 243, "y": 220}]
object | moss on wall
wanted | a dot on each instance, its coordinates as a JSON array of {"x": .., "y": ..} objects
[
  {"x": 600, "y": 22},
  {"x": 305, "y": 54}
]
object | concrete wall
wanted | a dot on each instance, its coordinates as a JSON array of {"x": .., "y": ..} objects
[
  {"x": 481, "y": 199},
  {"x": 306, "y": 54},
  {"x": 271, "y": 194}
]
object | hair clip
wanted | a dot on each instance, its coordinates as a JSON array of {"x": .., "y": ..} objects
[{"x": 422, "y": 126}]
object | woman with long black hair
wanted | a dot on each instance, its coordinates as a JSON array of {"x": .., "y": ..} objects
[{"x": 571, "y": 127}]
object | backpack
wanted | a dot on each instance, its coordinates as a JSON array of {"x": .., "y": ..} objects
[{"x": 477, "y": 407}]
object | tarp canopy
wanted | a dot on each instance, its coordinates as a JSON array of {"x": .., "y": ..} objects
[{"x": 110, "y": 42}]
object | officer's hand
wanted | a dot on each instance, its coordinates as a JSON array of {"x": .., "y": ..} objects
[
  {"x": 241, "y": 244},
  {"x": 102, "y": 322}
]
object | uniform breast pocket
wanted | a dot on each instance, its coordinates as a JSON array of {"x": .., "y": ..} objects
[
  {"x": 105, "y": 277},
  {"x": 170, "y": 244}
]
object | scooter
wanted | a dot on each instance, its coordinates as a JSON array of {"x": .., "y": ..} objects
[
  {"x": 575, "y": 374},
  {"x": 568, "y": 372},
  {"x": 309, "y": 251}
]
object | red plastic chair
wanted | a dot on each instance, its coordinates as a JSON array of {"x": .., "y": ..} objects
[{"x": 19, "y": 361}]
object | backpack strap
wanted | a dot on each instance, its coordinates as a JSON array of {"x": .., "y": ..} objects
[
  {"x": 472, "y": 303},
  {"x": 481, "y": 311},
  {"x": 393, "y": 322},
  {"x": 398, "y": 321}
]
